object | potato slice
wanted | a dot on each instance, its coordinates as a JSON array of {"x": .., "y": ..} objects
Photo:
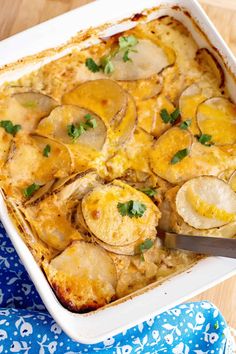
[
  {"x": 209, "y": 63},
  {"x": 144, "y": 89},
  {"x": 232, "y": 181},
  {"x": 56, "y": 126},
  {"x": 104, "y": 97},
  {"x": 5, "y": 145},
  {"x": 166, "y": 147},
  {"x": 202, "y": 160},
  {"x": 217, "y": 117},
  {"x": 146, "y": 59},
  {"x": 50, "y": 220},
  {"x": 206, "y": 202},
  {"x": 27, "y": 109},
  {"x": 158, "y": 126},
  {"x": 27, "y": 164},
  {"x": 104, "y": 220},
  {"x": 189, "y": 102},
  {"x": 83, "y": 277},
  {"x": 127, "y": 125}
]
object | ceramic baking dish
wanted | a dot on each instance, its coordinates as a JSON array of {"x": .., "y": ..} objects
[{"x": 103, "y": 323}]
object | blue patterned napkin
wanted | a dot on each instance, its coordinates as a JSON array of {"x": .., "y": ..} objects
[{"x": 27, "y": 328}]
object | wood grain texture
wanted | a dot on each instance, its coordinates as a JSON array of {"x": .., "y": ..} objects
[{"x": 17, "y": 15}]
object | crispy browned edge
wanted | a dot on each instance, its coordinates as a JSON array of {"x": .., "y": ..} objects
[{"x": 82, "y": 36}]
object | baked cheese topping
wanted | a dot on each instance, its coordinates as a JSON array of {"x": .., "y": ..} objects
[{"x": 101, "y": 147}]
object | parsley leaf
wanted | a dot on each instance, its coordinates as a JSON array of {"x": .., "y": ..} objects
[
  {"x": 31, "y": 189},
  {"x": 127, "y": 42},
  {"x": 47, "y": 150},
  {"x": 146, "y": 245},
  {"x": 132, "y": 209},
  {"x": 150, "y": 192},
  {"x": 180, "y": 155},
  {"x": 106, "y": 64},
  {"x": 186, "y": 124},
  {"x": 92, "y": 66},
  {"x": 165, "y": 116},
  {"x": 126, "y": 56},
  {"x": 169, "y": 118},
  {"x": 75, "y": 131},
  {"x": 205, "y": 139},
  {"x": 9, "y": 127}
]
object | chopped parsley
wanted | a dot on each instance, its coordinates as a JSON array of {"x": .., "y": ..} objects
[
  {"x": 106, "y": 64},
  {"x": 179, "y": 156},
  {"x": 75, "y": 131},
  {"x": 47, "y": 150},
  {"x": 146, "y": 245},
  {"x": 92, "y": 66},
  {"x": 126, "y": 45},
  {"x": 29, "y": 191},
  {"x": 186, "y": 124},
  {"x": 150, "y": 192},
  {"x": 205, "y": 139},
  {"x": 132, "y": 209},
  {"x": 169, "y": 118},
  {"x": 9, "y": 127}
]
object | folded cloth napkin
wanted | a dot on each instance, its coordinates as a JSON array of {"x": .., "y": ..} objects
[{"x": 27, "y": 328}]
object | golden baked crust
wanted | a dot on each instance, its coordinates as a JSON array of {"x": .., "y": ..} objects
[{"x": 122, "y": 124}]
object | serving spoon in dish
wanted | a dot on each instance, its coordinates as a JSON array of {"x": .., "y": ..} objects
[{"x": 213, "y": 246}]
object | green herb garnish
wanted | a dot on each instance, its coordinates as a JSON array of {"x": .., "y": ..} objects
[
  {"x": 75, "y": 131},
  {"x": 127, "y": 42},
  {"x": 132, "y": 209},
  {"x": 186, "y": 124},
  {"x": 29, "y": 191},
  {"x": 179, "y": 156},
  {"x": 169, "y": 118},
  {"x": 47, "y": 150},
  {"x": 146, "y": 245},
  {"x": 150, "y": 192},
  {"x": 92, "y": 66},
  {"x": 9, "y": 127},
  {"x": 205, "y": 139}
]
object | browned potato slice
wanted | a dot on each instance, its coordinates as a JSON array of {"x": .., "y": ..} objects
[
  {"x": 41, "y": 192},
  {"x": 206, "y": 202},
  {"x": 101, "y": 214},
  {"x": 189, "y": 102},
  {"x": 144, "y": 89},
  {"x": 127, "y": 250},
  {"x": 146, "y": 59},
  {"x": 202, "y": 160},
  {"x": 209, "y": 63},
  {"x": 232, "y": 181},
  {"x": 158, "y": 126},
  {"x": 166, "y": 147},
  {"x": 27, "y": 164},
  {"x": 217, "y": 117},
  {"x": 5, "y": 144},
  {"x": 49, "y": 218},
  {"x": 78, "y": 185},
  {"x": 27, "y": 109},
  {"x": 56, "y": 125},
  {"x": 104, "y": 97},
  {"x": 127, "y": 125},
  {"x": 83, "y": 277}
]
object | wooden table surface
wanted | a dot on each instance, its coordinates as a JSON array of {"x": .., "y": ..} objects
[{"x": 17, "y": 15}]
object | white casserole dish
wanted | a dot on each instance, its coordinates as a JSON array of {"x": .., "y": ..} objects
[{"x": 108, "y": 321}]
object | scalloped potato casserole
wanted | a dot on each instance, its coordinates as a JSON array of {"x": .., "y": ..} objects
[{"x": 104, "y": 147}]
